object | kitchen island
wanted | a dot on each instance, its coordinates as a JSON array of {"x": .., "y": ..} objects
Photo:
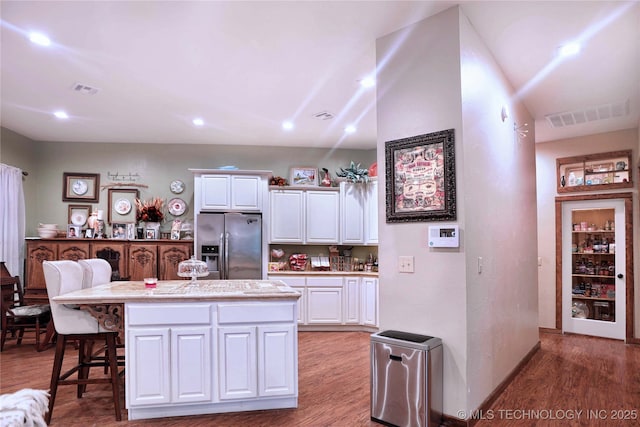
[{"x": 205, "y": 347}]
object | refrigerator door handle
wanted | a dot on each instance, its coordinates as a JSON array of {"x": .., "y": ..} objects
[
  {"x": 226, "y": 256},
  {"x": 223, "y": 256}
]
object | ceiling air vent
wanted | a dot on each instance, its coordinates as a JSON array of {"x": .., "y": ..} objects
[
  {"x": 323, "y": 115},
  {"x": 84, "y": 89},
  {"x": 590, "y": 114}
]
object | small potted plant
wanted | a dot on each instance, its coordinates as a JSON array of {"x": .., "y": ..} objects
[{"x": 354, "y": 173}]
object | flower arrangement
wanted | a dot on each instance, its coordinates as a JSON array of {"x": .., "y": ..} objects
[
  {"x": 278, "y": 180},
  {"x": 149, "y": 210}
]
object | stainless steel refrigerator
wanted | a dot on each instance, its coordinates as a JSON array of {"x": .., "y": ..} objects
[{"x": 230, "y": 244}]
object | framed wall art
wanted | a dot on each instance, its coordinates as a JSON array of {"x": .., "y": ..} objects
[
  {"x": 421, "y": 178},
  {"x": 78, "y": 214},
  {"x": 122, "y": 206},
  {"x": 77, "y": 186},
  {"x": 303, "y": 176}
]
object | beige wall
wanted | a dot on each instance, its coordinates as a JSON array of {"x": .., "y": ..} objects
[
  {"x": 157, "y": 165},
  {"x": 546, "y": 155},
  {"x": 437, "y": 75}
]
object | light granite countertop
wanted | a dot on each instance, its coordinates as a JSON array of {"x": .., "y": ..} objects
[{"x": 180, "y": 291}]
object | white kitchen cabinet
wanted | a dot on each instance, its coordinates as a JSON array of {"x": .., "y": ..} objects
[
  {"x": 369, "y": 301},
  {"x": 324, "y": 300},
  {"x": 299, "y": 284},
  {"x": 168, "y": 363},
  {"x": 352, "y": 300},
  {"x": 322, "y": 217},
  {"x": 359, "y": 212},
  {"x": 190, "y": 353},
  {"x": 352, "y": 213},
  {"x": 148, "y": 370},
  {"x": 335, "y": 300},
  {"x": 237, "y": 359},
  {"x": 371, "y": 213},
  {"x": 257, "y": 360},
  {"x": 287, "y": 216},
  {"x": 276, "y": 361},
  {"x": 227, "y": 192},
  {"x": 304, "y": 216}
]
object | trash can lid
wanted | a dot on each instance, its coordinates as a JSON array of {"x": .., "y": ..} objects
[{"x": 405, "y": 336}]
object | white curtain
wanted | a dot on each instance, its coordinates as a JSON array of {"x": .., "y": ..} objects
[{"x": 12, "y": 219}]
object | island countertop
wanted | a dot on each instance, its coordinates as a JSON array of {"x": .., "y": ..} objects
[{"x": 180, "y": 291}]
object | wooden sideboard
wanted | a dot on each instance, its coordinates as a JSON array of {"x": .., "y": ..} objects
[{"x": 129, "y": 259}]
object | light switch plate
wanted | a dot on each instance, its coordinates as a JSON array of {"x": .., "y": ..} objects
[{"x": 405, "y": 264}]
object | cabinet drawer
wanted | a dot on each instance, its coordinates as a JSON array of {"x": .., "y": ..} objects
[
  {"x": 259, "y": 312},
  {"x": 162, "y": 314},
  {"x": 324, "y": 281},
  {"x": 289, "y": 280}
]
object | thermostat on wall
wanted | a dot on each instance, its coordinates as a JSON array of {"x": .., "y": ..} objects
[{"x": 443, "y": 236}]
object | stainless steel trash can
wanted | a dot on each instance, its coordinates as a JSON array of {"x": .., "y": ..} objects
[{"x": 406, "y": 379}]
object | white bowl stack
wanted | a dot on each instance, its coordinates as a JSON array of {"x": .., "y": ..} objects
[{"x": 48, "y": 231}]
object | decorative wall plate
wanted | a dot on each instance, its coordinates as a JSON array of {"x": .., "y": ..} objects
[
  {"x": 78, "y": 218},
  {"x": 177, "y": 186},
  {"x": 177, "y": 206},
  {"x": 79, "y": 187},
  {"x": 122, "y": 206}
]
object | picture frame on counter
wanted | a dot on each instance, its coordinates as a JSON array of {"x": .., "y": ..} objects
[
  {"x": 79, "y": 186},
  {"x": 122, "y": 206},
  {"x": 78, "y": 214},
  {"x": 119, "y": 231},
  {"x": 74, "y": 231},
  {"x": 305, "y": 176},
  {"x": 420, "y": 178}
]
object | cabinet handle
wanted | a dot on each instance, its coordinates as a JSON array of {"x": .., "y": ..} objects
[
  {"x": 620, "y": 276},
  {"x": 396, "y": 358}
]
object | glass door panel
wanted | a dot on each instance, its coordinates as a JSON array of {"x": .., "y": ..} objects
[{"x": 593, "y": 296}]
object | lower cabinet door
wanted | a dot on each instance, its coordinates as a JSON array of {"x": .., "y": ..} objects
[
  {"x": 237, "y": 360},
  {"x": 276, "y": 360},
  {"x": 191, "y": 364},
  {"x": 148, "y": 370},
  {"x": 324, "y": 305},
  {"x": 352, "y": 300},
  {"x": 369, "y": 301}
]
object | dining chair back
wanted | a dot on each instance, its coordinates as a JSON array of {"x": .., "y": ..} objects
[{"x": 16, "y": 317}]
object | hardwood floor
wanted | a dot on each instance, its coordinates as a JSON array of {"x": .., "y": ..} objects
[{"x": 569, "y": 373}]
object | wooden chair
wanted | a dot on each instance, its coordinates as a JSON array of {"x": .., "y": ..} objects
[
  {"x": 16, "y": 316},
  {"x": 73, "y": 324}
]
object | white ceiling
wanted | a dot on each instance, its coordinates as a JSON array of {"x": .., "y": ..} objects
[{"x": 244, "y": 67}]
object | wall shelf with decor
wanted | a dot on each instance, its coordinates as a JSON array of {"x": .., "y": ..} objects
[{"x": 594, "y": 172}]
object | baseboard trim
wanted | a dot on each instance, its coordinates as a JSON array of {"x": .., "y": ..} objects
[
  {"x": 450, "y": 421},
  {"x": 550, "y": 330}
]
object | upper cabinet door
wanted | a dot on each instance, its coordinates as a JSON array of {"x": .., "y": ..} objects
[
  {"x": 245, "y": 193},
  {"x": 287, "y": 216},
  {"x": 216, "y": 192},
  {"x": 352, "y": 212},
  {"x": 371, "y": 213},
  {"x": 323, "y": 217},
  {"x": 231, "y": 193}
]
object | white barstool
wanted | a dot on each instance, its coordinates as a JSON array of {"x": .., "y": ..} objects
[{"x": 71, "y": 324}]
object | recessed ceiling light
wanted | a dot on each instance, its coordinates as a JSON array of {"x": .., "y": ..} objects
[
  {"x": 569, "y": 49},
  {"x": 350, "y": 129},
  {"x": 287, "y": 125},
  {"x": 39, "y": 39},
  {"x": 198, "y": 122},
  {"x": 61, "y": 115},
  {"x": 368, "y": 82}
]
